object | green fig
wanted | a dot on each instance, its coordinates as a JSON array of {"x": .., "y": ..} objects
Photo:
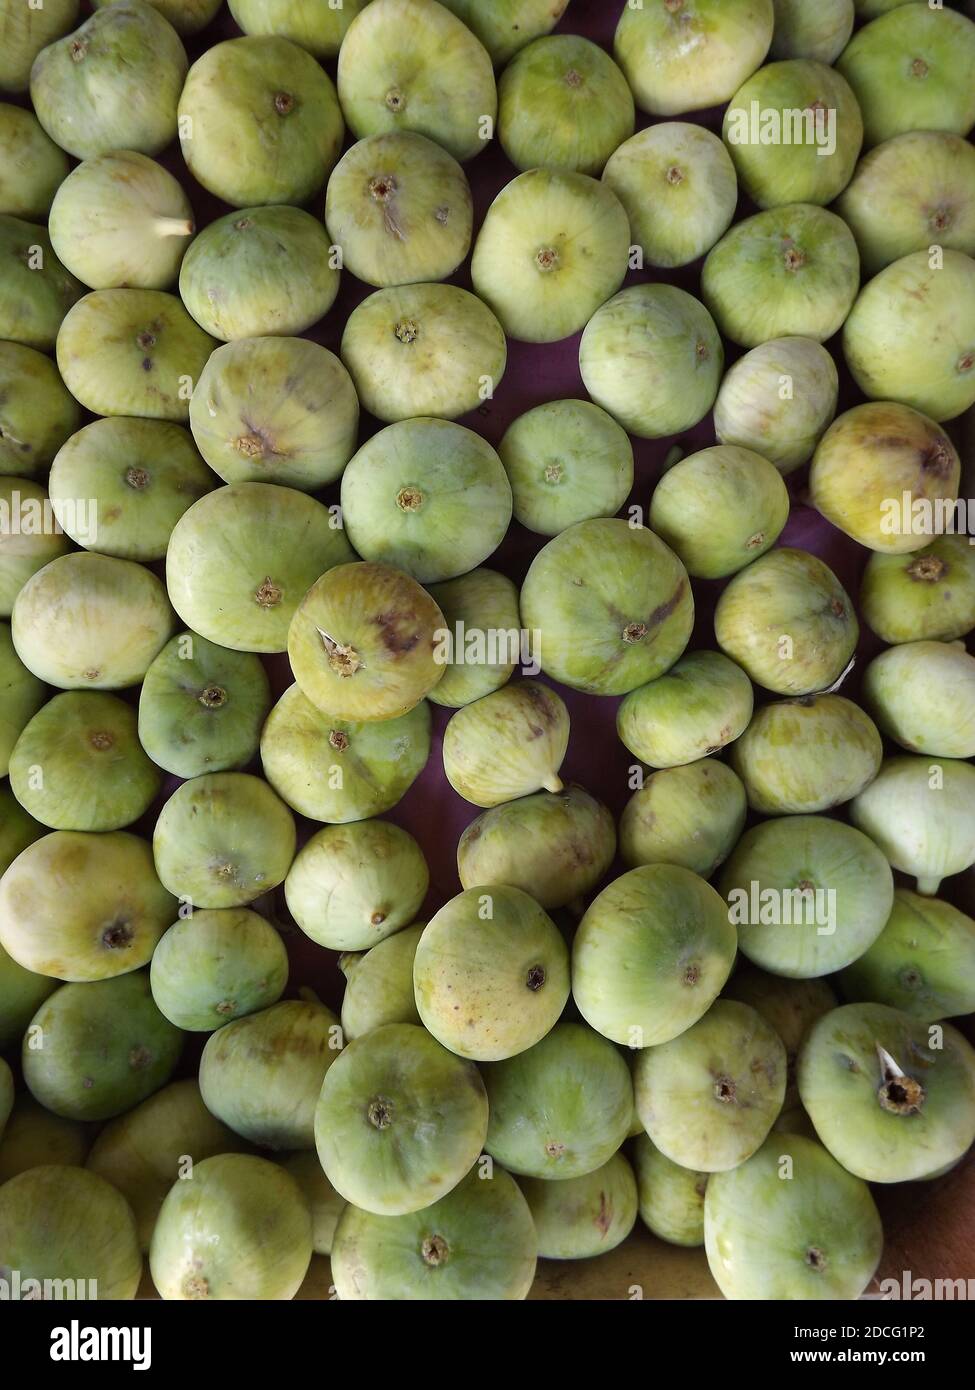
[
  {"x": 482, "y": 636},
  {"x": 926, "y": 596},
  {"x": 30, "y": 536},
  {"x": 26, "y": 31},
  {"x": 921, "y": 812},
  {"x": 36, "y": 292},
  {"x": 671, "y": 1197},
  {"x": 820, "y": 32},
  {"x": 324, "y": 1203},
  {"x": 379, "y": 984},
  {"x": 697, "y": 707},
  {"x": 579, "y": 1218},
  {"x": 31, "y": 164},
  {"x": 506, "y": 26},
  {"x": 213, "y": 967},
  {"x": 318, "y": 28},
  {"x": 778, "y": 400},
  {"x": 18, "y": 829},
  {"x": 507, "y": 744},
  {"x": 34, "y": 1138},
  {"x": 923, "y": 696},
  {"x": 186, "y": 16},
  {"x": 691, "y": 815},
  {"x": 37, "y": 411},
  {"x": 791, "y": 1007},
  {"x": 22, "y": 992}
]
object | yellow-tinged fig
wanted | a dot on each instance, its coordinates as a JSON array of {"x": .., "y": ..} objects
[{"x": 507, "y": 744}]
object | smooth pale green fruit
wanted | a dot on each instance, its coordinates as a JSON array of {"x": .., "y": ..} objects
[
  {"x": 807, "y": 1231},
  {"x": 807, "y": 894},
  {"x": 507, "y": 744},
  {"x": 791, "y": 1007},
  {"x": 400, "y": 208},
  {"x": 91, "y": 622},
  {"x": 624, "y": 589},
  {"x": 482, "y": 636},
  {"x": 788, "y": 621},
  {"x": 908, "y": 69},
  {"x": 678, "y": 186},
  {"x": 791, "y": 271},
  {"x": 477, "y": 1243},
  {"x": 579, "y": 1218},
  {"x": 923, "y": 962},
  {"x": 36, "y": 291},
  {"x": 121, "y": 219},
  {"x": 223, "y": 839},
  {"x": 651, "y": 954},
  {"x": 262, "y": 1074},
  {"x": 241, "y": 560},
  {"x": 143, "y": 1153},
  {"x": 120, "y": 485},
  {"x": 324, "y": 1203},
  {"x": 83, "y": 907},
  {"x": 25, "y": 32},
  {"x": 491, "y": 974},
  {"x": 186, "y": 16},
  {"x": 720, "y": 508},
  {"x": 921, "y": 812},
  {"x": 213, "y": 967},
  {"x": 505, "y": 26},
  {"x": 695, "y": 53},
  {"x": 363, "y": 643},
  {"x": 556, "y": 847},
  {"x": 94, "y": 1050},
  {"x": 914, "y": 190},
  {"x": 927, "y": 596},
  {"x": 563, "y": 104},
  {"x": 34, "y": 1138},
  {"x": 21, "y": 994},
  {"x": 820, "y": 31},
  {"x": 778, "y": 400},
  {"x": 31, "y": 165},
  {"x": 37, "y": 412},
  {"x": 379, "y": 984},
  {"x": 708, "y": 1098},
  {"x": 202, "y": 707},
  {"x": 909, "y": 335},
  {"x": 259, "y": 122},
  {"x": 813, "y": 158},
  {"x": 427, "y": 350},
  {"x": 352, "y": 885},
  {"x": 113, "y": 84},
  {"x": 566, "y": 461},
  {"x": 410, "y": 65},
  {"x": 691, "y": 815},
  {"x": 30, "y": 536},
  {"x": 400, "y": 1120},
  {"x": 671, "y": 1197},
  {"x": 427, "y": 496},
  {"x": 552, "y": 248},
  {"x": 334, "y": 771},
  {"x": 18, "y": 829},
  {"x": 78, "y": 765},
  {"x": 922, "y": 695},
  {"x": 697, "y": 707},
  {"x": 241, "y": 1229},
  {"x": 132, "y": 352},
  {"x": 60, "y": 1224},
  {"x": 889, "y": 1105},
  {"x": 561, "y": 1108},
  {"x": 799, "y": 756},
  {"x": 652, "y": 358},
  {"x": 275, "y": 410},
  {"x": 262, "y": 270},
  {"x": 318, "y": 28}
]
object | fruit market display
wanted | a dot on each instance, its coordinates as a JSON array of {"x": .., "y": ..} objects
[{"x": 486, "y": 725}]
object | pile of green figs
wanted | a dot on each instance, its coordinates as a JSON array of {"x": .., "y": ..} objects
[{"x": 312, "y": 657}]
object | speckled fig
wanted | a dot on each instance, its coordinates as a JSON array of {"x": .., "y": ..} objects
[
  {"x": 690, "y": 815},
  {"x": 379, "y": 984},
  {"x": 508, "y": 744},
  {"x": 671, "y": 1197},
  {"x": 213, "y": 967},
  {"x": 482, "y": 639},
  {"x": 921, "y": 812},
  {"x": 697, "y": 707}
]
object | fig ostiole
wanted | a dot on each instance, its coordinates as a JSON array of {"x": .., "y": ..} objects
[
  {"x": 215, "y": 966},
  {"x": 925, "y": 596}
]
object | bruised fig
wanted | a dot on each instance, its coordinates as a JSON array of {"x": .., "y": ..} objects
[
  {"x": 507, "y": 744},
  {"x": 352, "y": 885},
  {"x": 702, "y": 703},
  {"x": 923, "y": 697},
  {"x": 36, "y": 291},
  {"x": 22, "y": 992},
  {"x": 690, "y": 815},
  {"x": 671, "y": 1197},
  {"x": 491, "y": 973},
  {"x": 379, "y": 984},
  {"x": 482, "y": 639},
  {"x": 213, "y": 967},
  {"x": 34, "y": 1138},
  {"x": 926, "y": 596},
  {"x": 29, "y": 536},
  {"x": 778, "y": 399},
  {"x": 37, "y": 411},
  {"x": 324, "y": 1203},
  {"x": 921, "y": 812},
  {"x": 578, "y": 1218},
  {"x": 31, "y": 164},
  {"x": 363, "y": 643}
]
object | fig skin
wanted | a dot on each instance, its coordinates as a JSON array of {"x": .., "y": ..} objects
[
  {"x": 802, "y": 756},
  {"x": 926, "y": 596},
  {"x": 750, "y": 411},
  {"x": 787, "y": 593},
  {"x": 579, "y": 1218},
  {"x": 498, "y": 955},
  {"x": 22, "y": 551},
  {"x": 22, "y": 992},
  {"x": 485, "y": 604},
  {"x": 351, "y": 658},
  {"x": 31, "y": 165},
  {"x": 702, "y": 703},
  {"x": 793, "y": 855},
  {"x": 379, "y": 984},
  {"x": 95, "y": 773},
  {"x": 923, "y": 696},
  {"x": 18, "y": 829},
  {"x": 791, "y": 1007},
  {"x": 34, "y": 1138},
  {"x": 37, "y": 411},
  {"x": 820, "y": 34},
  {"x": 400, "y": 1120},
  {"x": 507, "y": 744},
  {"x": 691, "y": 816},
  {"x": 709, "y": 1097},
  {"x": 37, "y": 291},
  {"x": 324, "y": 1203},
  {"x": 817, "y": 1236},
  {"x": 554, "y": 846},
  {"x": 888, "y": 1105},
  {"x": 335, "y": 771},
  {"x": 64, "y": 1223},
  {"x": 186, "y": 16},
  {"x": 506, "y": 26},
  {"x": 671, "y": 1197},
  {"x": 651, "y": 954},
  {"x": 318, "y": 28},
  {"x": 213, "y": 967},
  {"x": 105, "y": 1048},
  {"x": 476, "y": 1244},
  {"x": 25, "y": 32},
  {"x": 353, "y": 885},
  {"x": 240, "y": 1230},
  {"x": 560, "y": 1109},
  {"x": 260, "y": 122}
]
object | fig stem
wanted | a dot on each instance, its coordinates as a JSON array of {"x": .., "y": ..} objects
[
  {"x": 553, "y": 783},
  {"x": 928, "y": 886},
  {"x": 172, "y": 226}
]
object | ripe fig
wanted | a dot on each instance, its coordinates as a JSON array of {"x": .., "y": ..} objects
[
  {"x": 691, "y": 815},
  {"x": 34, "y": 1138},
  {"x": 821, "y": 32},
  {"x": 671, "y": 1197},
  {"x": 213, "y": 967},
  {"x": 324, "y": 1203},
  {"x": 29, "y": 537},
  {"x": 37, "y": 411},
  {"x": 36, "y": 292},
  {"x": 506, "y": 26},
  {"x": 379, "y": 984},
  {"x": 791, "y": 1007},
  {"x": 186, "y": 16},
  {"x": 482, "y": 636},
  {"x": 921, "y": 812},
  {"x": 922, "y": 695},
  {"x": 927, "y": 596},
  {"x": 22, "y": 993},
  {"x": 31, "y": 165},
  {"x": 778, "y": 400},
  {"x": 507, "y": 744},
  {"x": 697, "y": 707},
  {"x": 579, "y": 1218},
  {"x": 318, "y": 28},
  {"x": 25, "y": 32},
  {"x": 17, "y": 831}
]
